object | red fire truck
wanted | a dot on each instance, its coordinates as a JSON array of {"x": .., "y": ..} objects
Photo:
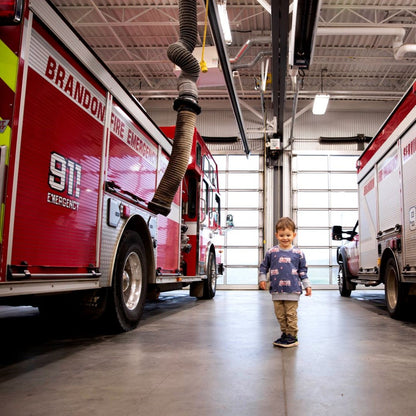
[
  {"x": 385, "y": 251},
  {"x": 79, "y": 161}
]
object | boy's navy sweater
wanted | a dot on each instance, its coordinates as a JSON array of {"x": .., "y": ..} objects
[{"x": 288, "y": 272}]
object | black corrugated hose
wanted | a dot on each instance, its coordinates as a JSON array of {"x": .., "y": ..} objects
[{"x": 180, "y": 53}]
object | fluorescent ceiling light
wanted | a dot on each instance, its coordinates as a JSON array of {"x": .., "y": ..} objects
[
  {"x": 225, "y": 24},
  {"x": 320, "y": 103},
  {"x": 265, "y": 5}
]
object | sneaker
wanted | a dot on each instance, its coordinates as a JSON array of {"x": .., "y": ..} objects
[
  {"x": 288, "y": 342},
  {"x": 279, "y": 340}
]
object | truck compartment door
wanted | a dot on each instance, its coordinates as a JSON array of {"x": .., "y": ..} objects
[
  {"x": 367, "y": 190},
  {"x": 54, "y": 217},
  {"x": 408, "y": 149}
]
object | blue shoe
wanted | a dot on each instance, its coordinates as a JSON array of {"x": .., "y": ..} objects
[
  {"x": 279, "y": 340},
  {"x": 287, "y": 342}
]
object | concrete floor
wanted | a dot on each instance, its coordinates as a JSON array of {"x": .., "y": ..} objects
[{"x": 216, "y": 357}]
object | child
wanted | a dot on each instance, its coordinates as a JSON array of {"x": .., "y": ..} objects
[{"x": 288, "y": 273}]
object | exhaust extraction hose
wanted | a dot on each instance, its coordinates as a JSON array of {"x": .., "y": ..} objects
[{"x": 180, "y": 53}]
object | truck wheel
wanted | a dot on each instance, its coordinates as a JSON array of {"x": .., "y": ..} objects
[
  {"x": 343, "y": 288},
  {"x": 395, "y": 291},
  {"x": 210, "y": 284},
  {"x": 128, "y": 292}
]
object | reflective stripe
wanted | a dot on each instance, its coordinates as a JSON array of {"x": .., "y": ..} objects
[{"x": 8, "y": 66}]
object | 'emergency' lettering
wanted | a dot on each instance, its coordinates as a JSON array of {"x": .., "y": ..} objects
[
  {"x": 388, "y": 168},
  {"x": 136, "y": 143},
  {"x": 409, "y": 150},
  {"x": 369, "y": 186},
  {"x": 61, "y": 201}
]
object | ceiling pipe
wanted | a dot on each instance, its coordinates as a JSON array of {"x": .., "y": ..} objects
[
  {"x": 247, "y": 46},
  {"x": 259, "y": 56},
  {"x": 399, "y": 48},
  {"x": 402, "y": 50},
  {"x": 398, "y": 32}
]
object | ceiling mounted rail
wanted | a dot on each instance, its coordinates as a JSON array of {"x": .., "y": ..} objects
[{"x": 225, "y": 65}]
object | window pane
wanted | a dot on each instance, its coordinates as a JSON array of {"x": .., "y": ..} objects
[
  {"x": 343, "y": 163},
  {"x": 318, "y": 275},
  {"x": 344, "y": 199},
  {"x": 242, "y": 256},
  {"x": 221, "y": 161},
  {"x": 343, "y": 181},
  {"x": 243, "y": 238},
  {"x": 345, "y": 218},
  {"x": 317, "y": 256},
  {"x": 244, "y": 199},
  {"x": 237, "y": 162},
  {"x": 334, "y": 275},
  {"x": 311, "y": 181},
  {"x": 243, "y": 218},
  {"x": 242, "y": 276},
  {"x": 243, "y": 181},
  {"x": 221, "y": 181},
  {"x": 310, "y": 163},
  {"x": 312, "y": 238},
  {"x": 312, "y": 218},
  {"x": 312, "y": 200}
]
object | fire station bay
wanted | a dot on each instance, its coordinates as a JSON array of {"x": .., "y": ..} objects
[{"x": 208, "y": 208}]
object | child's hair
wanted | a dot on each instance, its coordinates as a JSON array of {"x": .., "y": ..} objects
[{"x": 285, "y": 222}]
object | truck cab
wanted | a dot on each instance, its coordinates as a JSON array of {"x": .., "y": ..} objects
[{"x": 347, "y": 258}]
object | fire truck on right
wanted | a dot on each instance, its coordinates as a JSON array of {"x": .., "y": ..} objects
[{"x": 385, "y": 249}]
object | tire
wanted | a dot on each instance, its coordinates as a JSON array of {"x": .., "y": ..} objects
[
  {"x": 343, "y": 287},
  {"x": 210, "y": 284},
  {"x": 395, "y": 291},
  {"x": 128, "y": 292}
]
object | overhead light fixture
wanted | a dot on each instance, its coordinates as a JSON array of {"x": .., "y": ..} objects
[
  {"x": 225, "y": 23},
  {"x": 266, "y": 5},
  {"x": 320, "y": 104},
  {"x": 321, "y": 100}
]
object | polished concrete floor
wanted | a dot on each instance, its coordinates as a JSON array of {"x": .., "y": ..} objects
[{"x": 215, "y": 357}]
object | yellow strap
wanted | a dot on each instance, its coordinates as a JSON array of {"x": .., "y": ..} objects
[
  {"x": 203, "y": 64},
  {"x": 8, "y": 66}
]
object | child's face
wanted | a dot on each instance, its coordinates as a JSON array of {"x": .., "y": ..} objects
[{"x": 285, "y": 238}]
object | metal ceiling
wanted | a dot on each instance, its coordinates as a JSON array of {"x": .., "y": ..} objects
[{"x": 358, "y": 42}]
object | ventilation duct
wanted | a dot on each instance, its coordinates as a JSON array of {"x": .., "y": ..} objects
[{"x": 180, "y": 53}]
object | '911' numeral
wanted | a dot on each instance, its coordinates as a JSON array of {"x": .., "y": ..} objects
[{"x": 64, "y": 174}]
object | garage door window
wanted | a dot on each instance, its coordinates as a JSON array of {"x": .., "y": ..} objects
[
  {"x": 241, "y": 195},
  {"x": 324, "y": 194}
]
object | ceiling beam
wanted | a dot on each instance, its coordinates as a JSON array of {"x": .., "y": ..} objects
[{"x": 280, "y": 31}]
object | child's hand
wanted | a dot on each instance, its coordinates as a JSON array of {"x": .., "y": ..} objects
[
  {"x": 262, "y": 285},
  {"x": 308, "y": 291}
]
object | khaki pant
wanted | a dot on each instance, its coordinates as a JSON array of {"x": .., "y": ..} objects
[{"x": 286, "y": 312}]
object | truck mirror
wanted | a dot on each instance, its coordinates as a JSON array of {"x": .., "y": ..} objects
[
  {"x": 229, "y": 221},
  {"x": 337, "y": 232}
]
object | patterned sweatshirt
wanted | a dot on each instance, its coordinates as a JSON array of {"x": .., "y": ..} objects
[{"x": 288, "y": 272}]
